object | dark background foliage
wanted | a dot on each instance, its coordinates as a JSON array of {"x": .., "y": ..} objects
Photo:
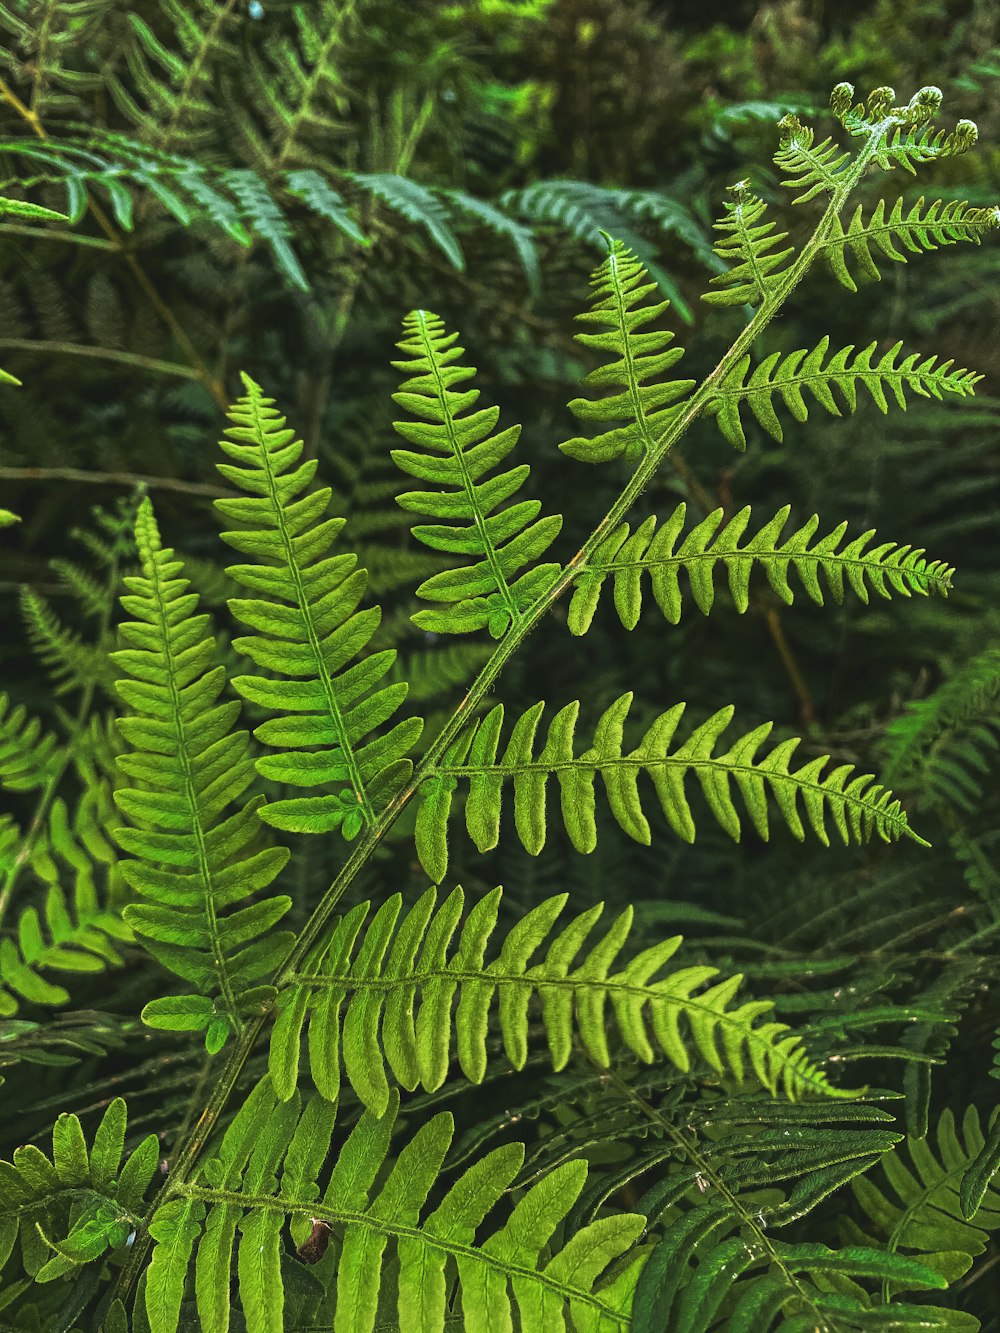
[{"x": 478, "y": 149}]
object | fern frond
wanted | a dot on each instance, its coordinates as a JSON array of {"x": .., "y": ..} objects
[
  {"x": 641, "y": 397},
  {"x": 941, "y": 746},
  {"x": 79, "y": 928},
  {"x": 628, "y": 557},
  {"x": 590, "y": 213},
  {"x": 787, "y": 377},
  {"x": 175, "y": 82},
  {"x": 496, "y": 590},
  {"x": 705, "y": 1275},
  {"x": 82, "y": 1202},
  {"x": 258, "y": 206},
  {"x": 28, "y": 755},
  {"x": 858, "y": 805},
  {"x": 307, "y": 628},
  {"x": 748, "y": 241},
  {"x": 192, "y": 767},
  {"x": 242, "y": 1187},
  {"x": 72, "y": 663},
  {"x": 298, "y": 86},
  {"x": 501, "y": 224},
  {"x": 399, "y": 986},
  {"x": 416, "y": 203},
  {"x": 319, "y": 196},
  {"x": 806, "y": 165},
  {"x": 921, "y": 228},
  {"x": 924, "y": 1204}
]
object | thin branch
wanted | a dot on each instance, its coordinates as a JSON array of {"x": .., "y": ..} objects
[
  {"x": 101, "y": 354},
  {"x": 129, "y": 479}
]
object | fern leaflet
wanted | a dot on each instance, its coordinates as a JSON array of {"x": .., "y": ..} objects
[
  {"x": 920, "y": 229},
  {"x": 858, "y": 805},
  {"x": 268, "y": 1169},
  {"x": 83, "y": 1201},
  {"x": 192, "y": 766},
  {"x": 495, "y": 590},
  {"x": 640, "y": 396},
  {"x": 381, "y": 973},
  {"x": 749, "y": 240},
  {"x": 627, "y": 557},
  {"x": 307, "y": 628},
  {"x": 28, "y": 755},
  {"x": 787, "y": 376}
]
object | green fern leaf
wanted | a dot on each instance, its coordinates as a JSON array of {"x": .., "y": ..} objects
[
  {"x": 82, "y": 1202},
  {"x": 72, "y": 663},
  {"x": 920, "y": 229},
  {"x": 495, "y": 590},
  {"x": 267, "y": 1171},
  {"x": 307, "y": 628},
  {"x": 319, "y": 195},
  {"x": 940, "y": 747},
  {"x": 787, "y": 377},
  {"x": 258, "y": 207},
  {"x": 701, "y": 1277},
  {"x": 377, "y": 974},
  {"x": 76, "y": 936},
  {"x": 28, "y": 756},
  {"x": 628, "y": 557},
  {"x": 749, "y": 241},
  {"x": 813, "y": 168},
  {"x": 591, "y": 213},
  {"x": 640, "y": 397},
  {"x": 858, "y": 806},
  {"x": 192, "y": 766},
  {"x": 417, "y": 204},
  {"x": 936, "y": 1203}
]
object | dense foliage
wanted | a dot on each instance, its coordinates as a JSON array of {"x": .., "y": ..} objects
[{"x": 721, "y": 1052}]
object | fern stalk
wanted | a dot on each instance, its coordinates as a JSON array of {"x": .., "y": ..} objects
[{"x": 371, "y": 836}]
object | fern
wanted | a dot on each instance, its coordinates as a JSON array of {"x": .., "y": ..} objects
[
  {"x": 750, "y": 240},
  {"x": 82, "y": 1202},
  {"x": 75, "y": 923},
  {"x": 592, "y": 212},
  {"x": 75, "y": 933},
  {"x": 921, "y": 228},
  {"x": 242, "y": 1188},
  {"x": 307, "y": 628},
  {"x": 173, "y": 94},
  {"x": 381, "y": 973},
  {"x": 787, "y": 376},
  {"x": 192, "y": 767},
  {"x": 925, "y": 1203},
  {"x": 627, "y": 557},
  {"x": 698, "y": 1276},
  {"x": 27, "y": 753},
  {"x": 941, "y": 746},
  {"x": 640, "y": 397},
  {"x": 858, "y": 805},
  {"x": 417, "y": 204},
  {"x": 494, "y": 591}
]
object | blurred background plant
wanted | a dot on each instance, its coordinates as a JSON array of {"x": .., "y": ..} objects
[{"x": 270, "y": 186}]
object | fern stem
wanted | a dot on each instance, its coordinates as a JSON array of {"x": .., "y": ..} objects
[
  {"x": 131, "y": 479},
  {"x": 370, "y": 838},
  {"x": 100, "y": 354},
  {"x": 54, "y": 234}
]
